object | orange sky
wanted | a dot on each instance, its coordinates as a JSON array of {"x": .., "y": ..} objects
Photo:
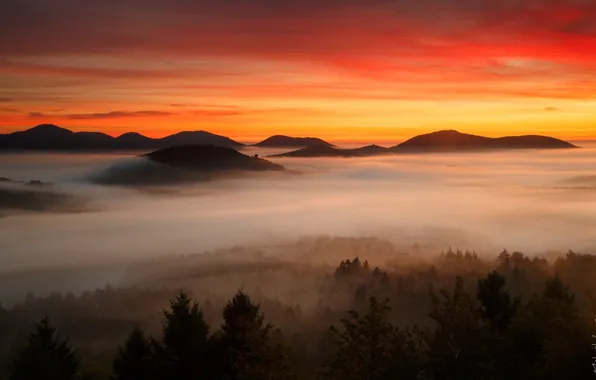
[{"x": 349, "y": 70}]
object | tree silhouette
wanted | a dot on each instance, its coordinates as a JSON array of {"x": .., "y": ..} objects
[
  {"x": 368, "y": 347},
  {"x": 556, "y": 290},
  {"x": 135, "y": 360},
  {"x": 45, "y": 357},
  {"x": 245, "y": 346},
  {"x": 184, "y": 340},
  {"x": 458, "y": 348},
  {"x": 496, "y": 304}
]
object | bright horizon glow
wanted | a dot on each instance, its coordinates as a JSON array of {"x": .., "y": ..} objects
[{"x": 363, "y": 71}]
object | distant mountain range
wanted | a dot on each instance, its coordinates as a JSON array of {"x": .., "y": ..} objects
[
  {"x": 51, "y": 137},
  {"x": 441, "y": 141}
]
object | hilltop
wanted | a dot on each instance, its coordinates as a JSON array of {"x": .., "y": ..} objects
[
  {"x": 183, "y": 164},
  {"x": 209, "y": 158},
  {"x": 280, "y": 141},
  {"x": 328, "y": 151},
  {"x": 34, "y": 195},
  {"x": 451, "y": 140}
]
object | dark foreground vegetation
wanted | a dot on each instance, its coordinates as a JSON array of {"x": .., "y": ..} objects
[{"x": 459, "y": 317}]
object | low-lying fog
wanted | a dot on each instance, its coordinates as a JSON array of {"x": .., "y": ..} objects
[{"x": 533, "y": 201}]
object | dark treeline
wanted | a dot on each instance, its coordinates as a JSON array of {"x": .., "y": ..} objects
[{"x": 459, "y": 317}]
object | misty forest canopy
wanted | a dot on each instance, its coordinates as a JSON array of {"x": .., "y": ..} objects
[{"x": 243, "y": 315}]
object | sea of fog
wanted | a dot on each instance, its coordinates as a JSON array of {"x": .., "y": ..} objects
[{"x": 533, "y": 201}]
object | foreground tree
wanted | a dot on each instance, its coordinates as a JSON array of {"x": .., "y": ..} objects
[
  {"x": 368, "y": 347},
  {"x": 135, "y": 360},
  {"x": 184, "y": 341},
  {"x": 549, "y": 337},
  {"x": 459, "y": 347},
  {"x": 246, "y": 348},
  {"x": 497, "y": 307},
  {"x": 45, "y": 357}
]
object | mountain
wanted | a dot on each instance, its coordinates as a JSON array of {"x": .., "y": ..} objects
[
  {"x": 135, "y": 140},
  {"x": 450, "y": 140},
  {"x": 184, "y": 164},
  {"x": 199, "y": 138},
  {"x": 440, "y": 141},
  {"x": 52, "y": 137},
  {"x": 328, "y": 151},
  {"x": 280, "y": 141}
]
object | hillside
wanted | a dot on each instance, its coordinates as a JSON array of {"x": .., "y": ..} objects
[
  {"x": 184, "y": 164},
  {"x": 210, "y": 158},
  {"x": 450, "y": 140},
  {"x": 328, "y": 151},
  {"x": 280, "y": 141},
  {"x": 36, "y": 196},
  {"x": 52, "y": 137}
]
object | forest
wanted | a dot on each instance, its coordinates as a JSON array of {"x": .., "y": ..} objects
[{"x": 457, "y": 315}]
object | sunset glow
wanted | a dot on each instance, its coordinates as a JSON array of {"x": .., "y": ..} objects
[{"x": 350, "y": 70}]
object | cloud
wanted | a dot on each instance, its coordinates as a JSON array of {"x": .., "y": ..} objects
[
  {"x": 281, "y": 29},
  {"x": 6, "y": 100},
  {"x": 191, "y": 55},
  {"x": 551, "y": 109},
  {"x": 117, "y": 115},
  {"x": 215, "y": 113},
  {"x": 182, "y": 105},
  {"x": 104, "y": 115}
]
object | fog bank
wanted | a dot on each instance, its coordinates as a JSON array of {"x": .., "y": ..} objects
[{"x": 531, "y": 201}]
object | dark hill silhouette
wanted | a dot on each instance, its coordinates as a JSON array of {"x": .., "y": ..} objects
[
  {"x": 184, "y": 164},
  {"x": 199, "y": 138},
  {"x": 52, "y": 137},
  {"x": 135, "y": 140},
  {"x": 36, "y": 196},
  {"x": 440, "y": 141},
  {"x": 450, "y": 140},
  {"x": 287, "y": 141},
  {"x": 328, "y": 151},
  {"x": 210, "y": 158}
]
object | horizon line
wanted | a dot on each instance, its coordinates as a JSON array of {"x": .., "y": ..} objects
[{"x": 255, "y": 140}]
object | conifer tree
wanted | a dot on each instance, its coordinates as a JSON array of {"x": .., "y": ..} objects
[
  {"x": 135, "y": 359},
  {"x": 496, "y": 304},
  {"x": 369, "y": 347},
  {"x": 246, "y": 346},
  {"x": 45, "y": 357},
  {"x": 184, "y": 340}
]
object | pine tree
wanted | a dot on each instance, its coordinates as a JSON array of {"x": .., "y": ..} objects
[
  {"x": 496, "y": 304},
  {"x": 246, "y": 346},
  {"x": 458, "y": 348},
  {"x": 368, "y": 347},
  {"x": 135, "y": 360},
  {"x": 184, "y": 340},
  {"x": 45, "y": 357}
]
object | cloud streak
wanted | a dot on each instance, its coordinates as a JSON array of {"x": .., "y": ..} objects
[{"x": 104, "y": 115}]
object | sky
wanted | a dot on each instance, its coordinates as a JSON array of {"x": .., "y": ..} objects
[{"x": 345, "y": 70}]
